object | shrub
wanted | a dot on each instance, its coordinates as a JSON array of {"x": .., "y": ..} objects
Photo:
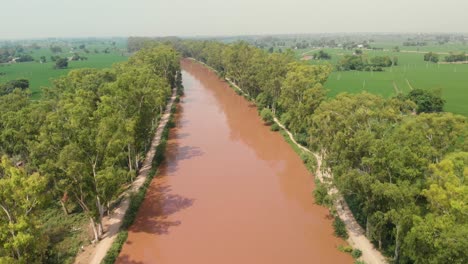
[
  {"x": 274, "y": 127},
  {"x": 340, "y": 228},
  {"x": 285, "y": 119},
  {"x": 345, "y": 249},
  {"x": 357, "y": 253},
  {"x": 267, "y": 115},
  {"x": 320, "y": 194}
]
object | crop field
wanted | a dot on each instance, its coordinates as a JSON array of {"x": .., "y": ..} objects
[
  {"x": 42, "y": 74},
  {"x": 412, "y": 72}
]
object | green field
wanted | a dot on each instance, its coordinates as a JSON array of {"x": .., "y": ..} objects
[
  {"x": 42, "y": 74},
  {"x": 412, "y": 72}
]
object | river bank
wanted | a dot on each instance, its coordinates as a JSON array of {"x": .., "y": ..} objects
[
  {"x": 95, "y": 253},
  {"x": 357, "y": 238}
]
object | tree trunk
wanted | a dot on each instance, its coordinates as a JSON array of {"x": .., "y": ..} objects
[
  {"x": 64, "y": 207},
  {"x": 101, "y": 210},
  {"x": 129, "y": 158},
  {"x": 397, "y": 245},
  {"x": 95, "y": 232},
  {"x": 367, "y": 227}
]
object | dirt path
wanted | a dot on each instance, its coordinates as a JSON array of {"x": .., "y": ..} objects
[
  {"x": 94, "y": 254},
  {"x": 409, "y": 84},
  {"x": 357, "y": 238},
  {"x": 395, "y": 87},
  {"x": 309, "y": 51}
]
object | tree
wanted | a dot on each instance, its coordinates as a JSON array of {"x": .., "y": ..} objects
[
  {"x": 56, "y": 49},
  {"x": 440, "y": 236},
  {"x": 426, "y": 101},
  {"x": 322, "y": 55},
  {"x": 432, "y": 57},
  {"x": 8, "y": 87},
  {"x": 61, "y": 63},
  {"x": 21, "y": 195},
  {"x": 302, "y": 92}
]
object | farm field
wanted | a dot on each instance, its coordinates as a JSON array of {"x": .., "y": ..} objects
[
  {"x": 42, "y": 74},
  {"x": 412, "y": 72}
]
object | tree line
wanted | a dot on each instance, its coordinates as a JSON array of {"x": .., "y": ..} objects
[
  {"x": 401, "y": 163},
  {"x": 77, "y": 147},
  {"x": 360, "y": 62}
]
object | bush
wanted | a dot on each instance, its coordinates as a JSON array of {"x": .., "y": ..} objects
[
  {"x": 285, "y": 119},
  {"x": 302, "y": 138},
  {"x": 274, "y": 127},
  {"x": 267, "y": 115},
  {"x": 320, "y": 194},
  {"x": 357, "y": 253},
  {"x": 340, "y": 228},
  {"x": 345, "y": 249}
]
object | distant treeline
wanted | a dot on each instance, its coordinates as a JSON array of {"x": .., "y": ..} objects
[
  {"x": 414, "y": 43},
  {"x": 454, "y": 57},
  {"x": 360, "y": 62},
  {"x": 402, "y": 170},
  {"x": 77, "y": 148}
]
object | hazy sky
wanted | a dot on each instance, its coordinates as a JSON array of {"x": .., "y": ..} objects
[{"x": 68, "y": 18}]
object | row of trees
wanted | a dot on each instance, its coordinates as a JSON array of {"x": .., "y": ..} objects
[
  {"x": 452, "y": 57},
  {"x": 403, "y": 174},
  {"x": 360, "y": 62},
  {"x": 455, "y": 57},
  {"x": 78, "y": 146}
]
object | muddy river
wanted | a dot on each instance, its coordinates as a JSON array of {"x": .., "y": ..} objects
[{"x": 230, "y": 190}]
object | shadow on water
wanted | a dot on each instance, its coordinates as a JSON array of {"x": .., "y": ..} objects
[
  {"x": 161, "y": 204},
  {"x": 127, "y": 260}
]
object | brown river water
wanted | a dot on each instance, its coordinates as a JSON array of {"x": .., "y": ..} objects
[{"x": 230, "y": 190}]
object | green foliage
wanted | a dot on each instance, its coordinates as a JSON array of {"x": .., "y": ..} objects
[
  {"x": 274, "y": 127},
  {"x": 426, "y": 101},
  {"x": 432, "y": 57},
  {"x": 61, "y": 63},
  {"x": 86, "y": 138},
  {"x": 266, "y": 115},
  {"x": 345, "y": 249},
  {"x": 66, "y": 234},
  {"x": 8, "y": 87},
  {"x": 455, "y": 57},
  {"x": 321, "y": 196},
  {"x": 322, "y": 55},
  {"x": 340, "y": 228},
  {"x": 359, "y": 62},
  {"x": 21, "y": 196},
  {"x": 356, "y": 253}
]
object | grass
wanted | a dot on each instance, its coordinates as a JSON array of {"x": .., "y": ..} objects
[
  {"x": 66, "y": 234},
  {"x": 42, "y": 75},
  {"x": 412, "y": 72}
]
